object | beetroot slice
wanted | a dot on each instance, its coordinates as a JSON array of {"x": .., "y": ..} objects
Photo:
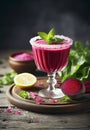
[{"x": 72, "y": 87}]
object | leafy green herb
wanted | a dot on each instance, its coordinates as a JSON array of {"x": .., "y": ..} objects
[
  {"x": 24, "y": 94},
  {"x": 79, "y": 63},
  {"x": 8, "y": 78},
  {"x": 66, "y": 99},
  {"x": 50, "y": 37}
]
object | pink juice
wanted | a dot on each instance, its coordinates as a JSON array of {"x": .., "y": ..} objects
[{"x": 51, "y": 58}]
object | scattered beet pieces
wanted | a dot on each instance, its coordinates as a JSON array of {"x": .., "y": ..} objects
[{"x": 73, "y": 88}]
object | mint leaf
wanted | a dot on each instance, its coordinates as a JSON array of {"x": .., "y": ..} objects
[
  {"x": 58, "y": 40},
  {"x": 43, "y": 35},
  {"x": 51, "y": 33},
  {"x": 50, "y": 40},
  {"x": 24, "y": 94},
  {"x": 7, "y": 78},
  {"x": 66, "y": 99},
  {"x": 50, "y": 37}
]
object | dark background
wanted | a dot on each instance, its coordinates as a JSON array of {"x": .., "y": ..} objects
[{"x": 22, "y": 19}]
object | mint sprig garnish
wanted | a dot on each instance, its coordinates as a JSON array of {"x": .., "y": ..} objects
[{"x": 50, "y": 37}]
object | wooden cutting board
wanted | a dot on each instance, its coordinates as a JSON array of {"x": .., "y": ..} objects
[{"x": 45, "y": 107}]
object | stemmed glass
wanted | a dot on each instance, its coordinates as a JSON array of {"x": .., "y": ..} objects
[{"x": 51, "y": 59}]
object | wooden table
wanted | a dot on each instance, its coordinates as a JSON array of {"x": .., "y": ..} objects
[{"x": 26, "y": 120}]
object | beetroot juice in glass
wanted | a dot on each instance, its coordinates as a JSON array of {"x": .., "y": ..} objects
[{"x": 51, "y": 58}]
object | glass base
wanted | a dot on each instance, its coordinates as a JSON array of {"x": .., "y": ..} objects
[{"x": 56, "y": 93}]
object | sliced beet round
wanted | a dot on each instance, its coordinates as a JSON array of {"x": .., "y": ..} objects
[{"x": 73, "y": 87}]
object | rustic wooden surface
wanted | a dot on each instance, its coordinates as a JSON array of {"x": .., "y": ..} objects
[{"x": 35, "y": 121}]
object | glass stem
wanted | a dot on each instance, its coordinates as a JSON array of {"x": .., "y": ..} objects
[{"x": 51, "y": 81}]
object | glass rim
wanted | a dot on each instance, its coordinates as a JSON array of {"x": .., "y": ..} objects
[{"x": 68, "y": 42}]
